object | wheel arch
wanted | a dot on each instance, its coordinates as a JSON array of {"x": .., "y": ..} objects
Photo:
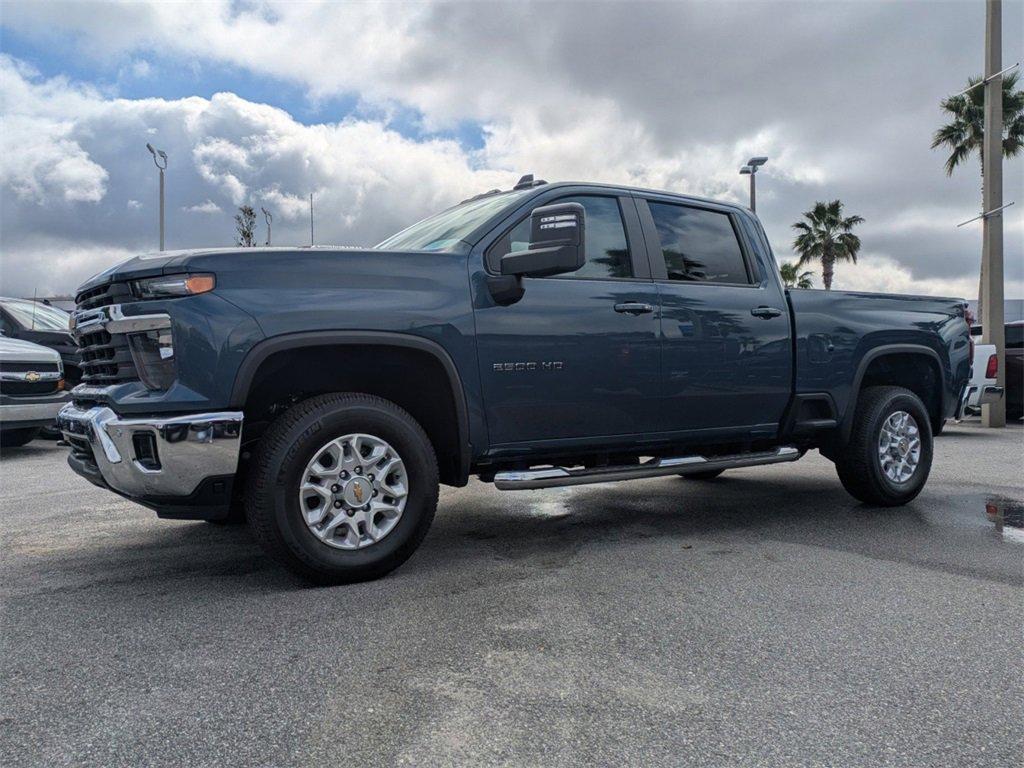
[
  {"x": 895, "y": 364},
  {"x": 451, "y": 442}
]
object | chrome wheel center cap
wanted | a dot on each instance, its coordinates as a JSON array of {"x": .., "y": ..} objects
[{"x": 357, "y": 492}]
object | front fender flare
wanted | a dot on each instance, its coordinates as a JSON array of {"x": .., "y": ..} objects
[{"x": 264, "y": 349}]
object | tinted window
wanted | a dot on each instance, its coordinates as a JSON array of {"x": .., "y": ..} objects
[
  {"x": 1014, "y": 336},
  {"x": 606, "y": 246},
  {"x": 698, "y": 244}
]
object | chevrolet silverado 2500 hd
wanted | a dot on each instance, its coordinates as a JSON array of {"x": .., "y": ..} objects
[{"x": 552, "y": 334}]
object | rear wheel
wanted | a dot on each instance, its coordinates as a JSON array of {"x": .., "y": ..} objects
[
  {"x": 889, "y": 455},
  {"x": 15, "y": 438},
  {"x": 343, "y": 488}
]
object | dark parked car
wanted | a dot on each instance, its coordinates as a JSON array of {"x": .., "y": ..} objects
[
  {"x": 553, "y": 334},
  {"x": 1015, "y": 369},
  {"x": 44, "y": 325}
]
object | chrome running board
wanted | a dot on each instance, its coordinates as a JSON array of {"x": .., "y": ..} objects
[{"x": 552, "y": 477}]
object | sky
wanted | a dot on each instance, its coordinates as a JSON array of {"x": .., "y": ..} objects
[{"x": 390, "y": 112}]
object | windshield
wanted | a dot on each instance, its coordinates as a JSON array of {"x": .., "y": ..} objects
[
  {"x": 46, "y": 318},
  {"x": 446, "y": 230}
]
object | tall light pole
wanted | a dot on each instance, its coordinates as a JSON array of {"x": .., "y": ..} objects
[
  {"x": 750, "y": 169},
  {"x": 269, "y": 218},
  {"x": 158, "y": 156},
  {"x": 993, "y": 330}
]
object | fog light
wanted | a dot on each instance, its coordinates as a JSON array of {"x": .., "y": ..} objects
[
  {"x": 145, "y": 450},
  {"x": 153, "y": 355}
]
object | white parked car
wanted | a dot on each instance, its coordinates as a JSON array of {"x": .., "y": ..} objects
[
  {"x": 31, "y": 390},
  {"x": 982, "y": 389}
]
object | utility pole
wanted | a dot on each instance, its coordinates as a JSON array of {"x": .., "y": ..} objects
[
  {"x": 992, "y": 321},
  {"x": 750, "y": 169},
  {"x": 158, "y": 155}
]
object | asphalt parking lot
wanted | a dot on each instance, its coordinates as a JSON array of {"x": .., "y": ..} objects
[{"x": 764, "y": 619}]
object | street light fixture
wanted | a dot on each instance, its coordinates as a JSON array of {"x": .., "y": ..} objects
[
  {"x": 750, "y": 169},
  {"x": 160, "y": 156}
]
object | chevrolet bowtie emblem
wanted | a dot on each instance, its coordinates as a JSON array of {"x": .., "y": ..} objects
[
  {"x": 357, "y": 489},
  {"x": 32, "y": 376}
]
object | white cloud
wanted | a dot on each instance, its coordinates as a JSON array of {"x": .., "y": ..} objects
[
  {"x": 44, "y": 265},
  {"x": 139, "y": 69},
  {"x": 41, "y": 162},
  {"x": 881, "y": 274},
  {"x": 134, "y": 205},
  {"x": 667, "y": 95},
  {"x": 369, "y": 181},
  {"x": 208, "y": 206}
]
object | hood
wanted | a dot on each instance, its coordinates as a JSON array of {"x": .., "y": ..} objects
[
  {"x": 47, "y": 338},
  {"x": 16, "y": 350},
  {"x": 171, "y": 262}
]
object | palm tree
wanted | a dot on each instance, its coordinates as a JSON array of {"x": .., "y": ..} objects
[
  {"x": 826, "y": 237},
  {"x": 793, "y": 278},
  {"x": 966, "y": 133}
]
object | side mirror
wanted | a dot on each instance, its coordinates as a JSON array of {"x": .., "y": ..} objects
[{"x": 556, "y": 243}]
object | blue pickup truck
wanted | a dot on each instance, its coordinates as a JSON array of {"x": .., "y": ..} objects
[{"x": 548, "y": 335}]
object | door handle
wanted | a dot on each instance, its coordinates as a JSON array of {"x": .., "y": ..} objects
[
  {"x": 634, "y": 308},
  {"x": 766, "y": 312}
]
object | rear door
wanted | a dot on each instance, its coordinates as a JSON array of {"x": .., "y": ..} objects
[
  {"x": 725, "y": 326},
  {"x": 576, "y": 361}
]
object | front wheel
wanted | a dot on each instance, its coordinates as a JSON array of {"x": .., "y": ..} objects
[
  {"x": 342, "y": 488},
  {"x": 889, "y": 455}
]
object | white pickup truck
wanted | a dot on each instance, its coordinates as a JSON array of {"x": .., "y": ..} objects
[{"x": 983, "y": 390}]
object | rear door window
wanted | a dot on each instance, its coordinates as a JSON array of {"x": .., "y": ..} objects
[{"x": 699, "y": 245}]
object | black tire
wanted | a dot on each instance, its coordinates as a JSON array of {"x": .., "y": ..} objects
[
  {"x": 858, "y": 463},
  {"x": 15, "y": 438},
  {"x": 272, "y": 505},
  {"x": 711, "y": 474}
]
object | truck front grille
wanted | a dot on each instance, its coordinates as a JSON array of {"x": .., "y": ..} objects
[
  {"x": 103, "y": 295},
  {"x": 20, "y": 387},
  {"x": 29, "y": 388},
  {"x": 105, "y": 358}
]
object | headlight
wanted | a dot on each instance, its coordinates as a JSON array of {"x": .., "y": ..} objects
[
  {"x": 169, "y": 286},
  {"x": 153, "y": 355}
]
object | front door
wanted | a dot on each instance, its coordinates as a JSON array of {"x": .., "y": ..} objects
[
  {"x": 724, "y": 323},
  {"x": 576, "y": 360}
]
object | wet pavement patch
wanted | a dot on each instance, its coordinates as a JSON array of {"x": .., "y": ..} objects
[{"x": 1008, "y": 517}]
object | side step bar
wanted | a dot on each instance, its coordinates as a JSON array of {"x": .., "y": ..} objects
[{"x": 552, "y": 477}]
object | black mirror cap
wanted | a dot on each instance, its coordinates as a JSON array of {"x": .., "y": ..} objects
[{"x": 557, "y": 238}]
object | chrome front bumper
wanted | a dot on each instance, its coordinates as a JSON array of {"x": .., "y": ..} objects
[
  {"x": 37, "y": 409},
  {"x": 188, "y": 449}
]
